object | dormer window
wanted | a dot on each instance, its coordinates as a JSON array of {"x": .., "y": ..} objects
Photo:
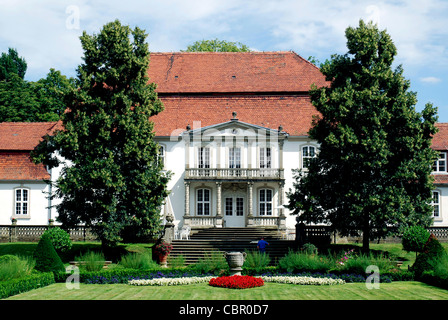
[{"x": 440, "y": 163}]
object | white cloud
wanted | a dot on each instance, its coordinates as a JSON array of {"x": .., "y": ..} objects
[
  {"x": 38, "y": 29},
  {"x": 431, "y": 80}
]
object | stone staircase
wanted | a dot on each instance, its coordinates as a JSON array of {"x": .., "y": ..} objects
[{"x": 230, "y": 239}]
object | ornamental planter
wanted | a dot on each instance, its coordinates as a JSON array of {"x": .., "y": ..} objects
[
  {"x": 163, "y": 258},
  {"x": 235, "y": 260}
]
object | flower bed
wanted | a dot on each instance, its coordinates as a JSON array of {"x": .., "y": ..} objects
[
  {"x": 169, "y": 281},
  {"x": 236, "y": 282},
  {"x": 302, "y": 280}
]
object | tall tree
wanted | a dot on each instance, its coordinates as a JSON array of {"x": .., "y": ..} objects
[
  {"x": 114, "y": 180},
  {"x": 11, "y": 63},
  {"x": 372, "y": 174},
  {"x": 217, "y": 45}
]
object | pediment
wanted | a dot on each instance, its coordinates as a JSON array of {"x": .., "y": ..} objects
[{"x": 234, "y": 128}]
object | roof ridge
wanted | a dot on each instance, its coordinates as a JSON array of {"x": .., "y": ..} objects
[{"x": 218, "y": 52}]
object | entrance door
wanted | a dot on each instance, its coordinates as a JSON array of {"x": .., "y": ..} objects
[{"x": 234, "y": 211}]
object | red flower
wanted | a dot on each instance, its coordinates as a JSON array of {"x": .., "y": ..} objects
[{"x": 236, "y": 282}]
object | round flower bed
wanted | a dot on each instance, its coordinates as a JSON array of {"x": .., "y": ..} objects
[{"x": 236, "y": 282}]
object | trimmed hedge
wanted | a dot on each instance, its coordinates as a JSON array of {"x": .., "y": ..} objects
[
  {"x": 430, "y": 278},
  {"x": 15, "y": 286}
]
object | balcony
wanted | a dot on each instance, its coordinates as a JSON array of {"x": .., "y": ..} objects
[{"x": 240, "y": 174}]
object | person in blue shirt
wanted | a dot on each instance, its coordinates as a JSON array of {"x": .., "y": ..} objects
[{"x": 262, "y": 245}]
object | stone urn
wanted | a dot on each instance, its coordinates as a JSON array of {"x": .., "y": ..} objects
[{"x": 235, "y": 261}]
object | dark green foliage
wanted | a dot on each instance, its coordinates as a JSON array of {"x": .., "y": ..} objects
[
  {"x": 24, "y": 101},
  {"x": 11, "y": 63},
  {"x": 114, "y": 181},
  {"x": 433, "y": 253},
  {"x": 414, "y": 238},
  {"x": 59, "y": 238},
  {"x": 47, "y": 259},
  {"x": 372, "y": 175}
]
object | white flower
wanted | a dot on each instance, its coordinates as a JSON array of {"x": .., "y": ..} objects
[
  {"x": 169, "y": 281},
  {"x": 302, "y": 280}
]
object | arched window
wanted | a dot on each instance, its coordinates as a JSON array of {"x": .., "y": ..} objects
[
  {"x": 21, "y": 199},
  {"x": 265, "y": 202},
  {"x": 203, "y": 202}
]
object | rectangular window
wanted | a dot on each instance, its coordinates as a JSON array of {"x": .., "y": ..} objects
[
  {"x": 436, "y": 203},
  {"x": 265, "y": 202},
  {"x": 440, "y": 163},
  {"x": 229, "y": 206},
  {"x": 21, "y": 201},
  {"x": 235, "y": 158},
  {"x": 203, "y": 157},
  {"x": 265, "y": 157},
  {"x": 308, "y": 153},
  {"x": 161, "y": 157},
  {"x": 239, "y": 207},
  {"x": 203, "y": 202}
]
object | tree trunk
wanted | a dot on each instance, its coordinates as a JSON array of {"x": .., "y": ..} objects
[{"x": 366, "y": 235}]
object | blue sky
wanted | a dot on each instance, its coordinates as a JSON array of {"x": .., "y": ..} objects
[{"x": 46, "y": 32}]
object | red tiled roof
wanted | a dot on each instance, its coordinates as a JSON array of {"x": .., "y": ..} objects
[
  {"x": 440, "y": 179},
  {"x": 24, "y": 135},
  {"x": 294, "y": 113},
  {"x": 16, "y": 165},
  {"x": 218, "y": 72},
  {"x": 440, "y": 139}
]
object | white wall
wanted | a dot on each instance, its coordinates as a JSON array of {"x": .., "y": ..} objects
[{"x": 37, "y": 202}]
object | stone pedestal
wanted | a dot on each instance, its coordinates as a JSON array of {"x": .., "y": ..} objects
[{"x": 235, "y": 261}]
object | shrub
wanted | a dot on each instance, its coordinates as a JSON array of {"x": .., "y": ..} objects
[
  {"x": 298, "y": 262},
  {"x": 12, "y": 267},
  {"x": 7, "y": 258},
  {"x": 433, "y": 253},
  {"x": 137, "y": 261},
  {"x": 309, "y": 248},
  {"x": 359, "y": 264},
  {"x": 16, "y": 286},
  {"x": 213, "y": 262},
  {"x": 92, "y": 261},
  {"x": 256, "y": 260},
  {"x": 59, "y": 238},
  {"x": 414, "y": 238},
  {"x": 47, "y": 259},
  {"x": 177, "y": 261}
]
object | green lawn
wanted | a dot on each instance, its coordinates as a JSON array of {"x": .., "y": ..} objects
[{"x": 411, "y": 290}]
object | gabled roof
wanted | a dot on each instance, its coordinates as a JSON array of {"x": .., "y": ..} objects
[{"x": 219, "y": 72}]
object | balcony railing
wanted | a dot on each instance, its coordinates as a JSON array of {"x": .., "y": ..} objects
[{"x": 232, "y": 174}]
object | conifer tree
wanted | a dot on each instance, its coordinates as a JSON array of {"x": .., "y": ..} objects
[
  {"x": 111, "y": 178},
  {"x": 372, "y": 173}
]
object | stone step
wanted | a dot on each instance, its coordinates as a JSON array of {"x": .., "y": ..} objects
[{"x": 193, "y": 250}]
